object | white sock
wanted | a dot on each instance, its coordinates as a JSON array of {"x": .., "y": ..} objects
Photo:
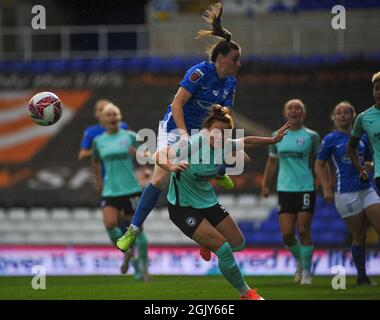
[{"x": 135, "y": 229}]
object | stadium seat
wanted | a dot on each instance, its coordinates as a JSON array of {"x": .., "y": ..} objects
[
  {"x": 3, "y": 214},
  {"x": 17, "y": 215},
  {"x": 5, "y": 225},
  {"x": 247, "y": 201},
  {"x": 61, "y": 214},
  {"x": 58, "y": 66},
  {"x": 38, "y": 214},
  {"x": 227, "y": 200},
  {"x": 83, "y": 214},
  {"x": 270, "y": 227}
]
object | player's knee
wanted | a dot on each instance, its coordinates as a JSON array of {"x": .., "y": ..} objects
[
  {"x": 304, "y": 231},
  {"x": 160, "y": 181},
  {"x": 288, "y": 236},
  {"x": 358, "y": 238},
  {"x": 240, "y": 247}
]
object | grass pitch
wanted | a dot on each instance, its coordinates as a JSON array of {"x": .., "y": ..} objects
[{"x": 179, "y": 288}]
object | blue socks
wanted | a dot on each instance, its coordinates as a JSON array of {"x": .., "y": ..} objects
[
  {"x": 358, "y": 255},
  {"x": 146, "y": 204}
]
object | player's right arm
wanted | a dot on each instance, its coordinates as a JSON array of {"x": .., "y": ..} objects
[
  {"x": 180, "y": 99},
  {"x": 269, "y": 172},
  {"x": 97, "y": 168},
  {"x": 85, "y": 151},
  {"x": 84, "y": 154}
]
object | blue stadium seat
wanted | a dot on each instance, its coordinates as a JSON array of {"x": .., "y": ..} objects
[
  {"x": 270, "y": 226},
  {"x": 260, "y": 238},
  {"x": 155, "y": 64},
  {"x": 115, "y": 64},
  {"x": 135, "y": 64},
  {"x": 329, "y": 239},
  {"x": 76, "y": 65},
  {"x": 38, "y": 66},
  {"x": 18, "y": 66},
  {"x": 246, "y": 226},
  {"x": 96, "y": 65},
  {"x": 58, "y": 66}
]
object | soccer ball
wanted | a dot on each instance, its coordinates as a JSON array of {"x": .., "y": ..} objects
[{"x": 45, "y": 108}]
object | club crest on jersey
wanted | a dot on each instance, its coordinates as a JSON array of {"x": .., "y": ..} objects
[
  {"x": 215, "y": 92},
  {"x": 300, "y": 141},
  {"x": 196, "y": 75},
  {"x": 225, "y": 93},
  {"x": 191, "y": 222}
]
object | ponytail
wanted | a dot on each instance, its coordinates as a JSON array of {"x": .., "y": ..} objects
[
  {"x": 213, "y": 17},
  {"x": 219, "y": 113}
]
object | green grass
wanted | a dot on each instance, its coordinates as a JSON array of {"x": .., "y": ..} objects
[{"x": 178, "y": 288}]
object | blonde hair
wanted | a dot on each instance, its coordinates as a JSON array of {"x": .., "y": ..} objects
[
  {"x": 112, "y": 107},
  {"x": 376, "y": 77},
  {"x": 297, "y": 101},
  {"x": 101, "y": 103}
]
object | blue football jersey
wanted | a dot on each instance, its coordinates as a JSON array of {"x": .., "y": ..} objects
[
  {"x": 334, "y": 146},
  {"x": 206, "y": 88},
  {"x": 92, "y": 132}
]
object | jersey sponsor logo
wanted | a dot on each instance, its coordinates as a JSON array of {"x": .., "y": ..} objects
[
  {"x": 292, "y": 154},
  {"x": 191, "y": 222},
  {"x": 215, "y": 92},
  {"x": 300, "y": 141},
  {"x": 196, "y": 75},
  {"x": 117, "y": 156}
]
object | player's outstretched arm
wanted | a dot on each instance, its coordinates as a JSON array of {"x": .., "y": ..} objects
[{"x": 254, "y": 141}]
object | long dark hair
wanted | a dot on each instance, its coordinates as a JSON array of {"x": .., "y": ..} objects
[{"x": 213, "y": 17}]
